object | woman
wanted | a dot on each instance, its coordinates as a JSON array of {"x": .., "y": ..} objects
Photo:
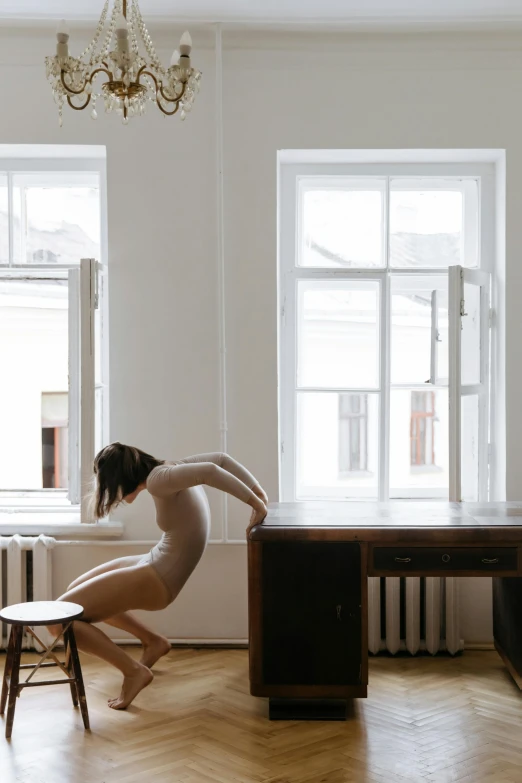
[{"x": 152, "y": 581}]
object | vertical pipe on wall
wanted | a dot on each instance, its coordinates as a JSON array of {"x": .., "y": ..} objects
[{"x": 220, "y": 238}]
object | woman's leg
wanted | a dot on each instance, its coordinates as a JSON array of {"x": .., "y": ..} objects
[
  {"x": 108, "y": 595},
  {"x": 136, "y": 676},
  {"x": 154, "y": 644},
  {"x": 112, "y": 565}
]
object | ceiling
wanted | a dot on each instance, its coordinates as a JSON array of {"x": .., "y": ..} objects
[{"x": 381, "y": 12}]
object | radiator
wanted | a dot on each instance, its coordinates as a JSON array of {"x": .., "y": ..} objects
[
  {"x": 413, "y": 614},
  {"x": 25, "y": 575}
]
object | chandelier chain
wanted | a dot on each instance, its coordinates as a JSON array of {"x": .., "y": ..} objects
[{"x": 99, "y": 30}]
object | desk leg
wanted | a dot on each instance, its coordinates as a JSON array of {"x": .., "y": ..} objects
[{"x": 507, "y": 623}]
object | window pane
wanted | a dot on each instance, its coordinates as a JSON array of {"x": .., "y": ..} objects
[
  {"x": 337, "y": 445},
  {"x": 470, "y": 350},
  {"x": 98, "y": 419},
  {"x": 33, "y": 403},
  {"x": 4, "y": 221},
  {"x": 341, "y": 224},
  {"x": 433, "y": 223},
  {"x": 338, "y": 334},
  {"x": 419, "y": 443},
  {"x": 470, "y": 447},
  {"x": 57, "y": 218},
  {"x": 412, "y": 303}
]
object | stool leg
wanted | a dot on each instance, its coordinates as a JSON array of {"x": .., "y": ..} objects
[
  {"x": 18, "y": 630},
  {"x": 77, "y": 670},
  {"x": 7, "y": 670},
  {"x": 68, "y": 666}
]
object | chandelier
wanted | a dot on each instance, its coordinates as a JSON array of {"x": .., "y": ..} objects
[{"x": 122, "y": 51}]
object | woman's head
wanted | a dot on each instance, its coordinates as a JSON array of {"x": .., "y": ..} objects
[{"x": 120, "y": 472}]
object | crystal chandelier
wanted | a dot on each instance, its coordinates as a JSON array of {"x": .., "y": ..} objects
[{"x": 123, "y": 52}]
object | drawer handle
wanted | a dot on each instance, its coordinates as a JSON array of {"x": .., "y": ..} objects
[
  {"x": 403, "y": 559},
  {"x": 490, "y": 561}
]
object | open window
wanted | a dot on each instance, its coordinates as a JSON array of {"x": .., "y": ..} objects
[
  {"x": 469, "y": 314},
  {"x": 53, "y": 319}
]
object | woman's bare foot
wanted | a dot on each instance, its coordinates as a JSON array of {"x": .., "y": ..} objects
[
  {"x": 154, "y": 650},
  {"x": 132, "y": 685}
]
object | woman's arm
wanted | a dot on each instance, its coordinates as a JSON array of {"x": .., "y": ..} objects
[
  {"x": 228, "y": 463},
  {"x": 168, "y": 479}
]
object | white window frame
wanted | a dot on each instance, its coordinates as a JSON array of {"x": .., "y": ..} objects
[
  {"x": 290, "y": 174},
  {"x": 87, "y": 293}
]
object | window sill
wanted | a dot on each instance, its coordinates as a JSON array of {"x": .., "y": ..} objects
[{"x": 33, "y": 523}]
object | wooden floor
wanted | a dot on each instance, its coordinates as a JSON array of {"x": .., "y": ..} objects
[{"x": 436, "y": 720}]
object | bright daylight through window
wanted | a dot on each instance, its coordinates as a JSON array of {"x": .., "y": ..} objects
[
  {"x": 49, "y": 221},
  {"x": 365, "y": 337}
]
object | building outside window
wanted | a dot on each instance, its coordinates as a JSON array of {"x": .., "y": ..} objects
[
  {"x": 353, "y": 433},
  {"x": 422, "y": 430}
]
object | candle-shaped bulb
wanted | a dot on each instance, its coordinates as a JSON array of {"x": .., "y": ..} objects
[
  {"x": 185, "y": 45},
  {"x": 174, "y": 60},
  {"x": 62, "y": 32},
  {"x": 121, "y": 26}
]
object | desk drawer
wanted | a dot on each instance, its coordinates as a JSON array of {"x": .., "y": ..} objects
[{"x": 441, "y": 559}]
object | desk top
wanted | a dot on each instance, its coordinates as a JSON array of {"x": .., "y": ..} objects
[{"x": 395, "y": 521}]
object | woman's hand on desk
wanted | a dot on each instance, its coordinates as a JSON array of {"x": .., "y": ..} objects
[{"x": 259, "y": 513}]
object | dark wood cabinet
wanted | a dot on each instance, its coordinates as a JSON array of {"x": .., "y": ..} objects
[{"x": 307, "y": 604}]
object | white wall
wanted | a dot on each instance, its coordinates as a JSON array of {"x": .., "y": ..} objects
[{"x": 281, "y": 91}]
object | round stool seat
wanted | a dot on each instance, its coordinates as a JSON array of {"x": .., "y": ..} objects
[{"x": 41, "y": 613}]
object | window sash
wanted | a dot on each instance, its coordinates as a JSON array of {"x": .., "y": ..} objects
[{"x": 457, "y": 389}]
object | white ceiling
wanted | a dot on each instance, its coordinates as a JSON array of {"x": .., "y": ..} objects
[{"x": 280, "y": 11}]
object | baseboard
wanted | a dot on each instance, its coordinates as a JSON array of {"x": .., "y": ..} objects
[
  {"x": 243, "y": 643},
  {"x": 231, "y": 643}
]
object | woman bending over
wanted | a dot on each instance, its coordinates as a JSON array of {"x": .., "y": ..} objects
[{"x": 109, "y": 592}]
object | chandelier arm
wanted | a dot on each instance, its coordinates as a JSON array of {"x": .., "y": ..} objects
[
  {"x": 159, "y": 88},
  {"x": 168, "y": 113},
  {"x": 143, "y": 72},
  {"x": 78, "y": 108},
  {"x": 177, "y": 98},
  {"x": 101, "y": 70},
  {"x": 69, "y": 89}
]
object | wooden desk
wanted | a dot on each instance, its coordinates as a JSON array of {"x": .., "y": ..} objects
[{"x": 308, "y": 596}]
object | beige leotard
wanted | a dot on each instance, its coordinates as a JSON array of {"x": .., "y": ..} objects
[{"x": 183, "y": 513}]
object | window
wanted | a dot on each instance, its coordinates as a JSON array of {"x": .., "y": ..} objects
[
  {"x": 367, "y": 333},
  {"x": 52, "y": 310}
]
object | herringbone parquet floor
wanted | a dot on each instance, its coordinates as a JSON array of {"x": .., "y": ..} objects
[{"x": 426, "y": 719}]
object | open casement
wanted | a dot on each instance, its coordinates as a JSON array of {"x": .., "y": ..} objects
[
  {"x": 469, "y": 320},
  {"x": 83, "y": 302}
]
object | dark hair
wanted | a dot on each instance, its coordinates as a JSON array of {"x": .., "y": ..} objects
[{"x": 118, "y": 471}]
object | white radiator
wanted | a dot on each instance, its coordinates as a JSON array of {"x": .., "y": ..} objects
[
  {"x": 24, "y": 579},
  {"x": 412, "y": 614}
]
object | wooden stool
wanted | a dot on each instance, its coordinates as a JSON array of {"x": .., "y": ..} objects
[{"x": 22, "y": 616}]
